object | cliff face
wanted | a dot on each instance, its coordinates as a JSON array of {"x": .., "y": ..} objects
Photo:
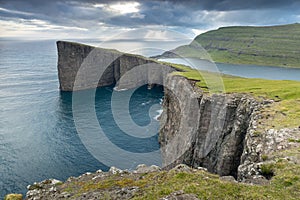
[
  {"x": 83, "y": 67},
  {"x": 204, "y": 130}
]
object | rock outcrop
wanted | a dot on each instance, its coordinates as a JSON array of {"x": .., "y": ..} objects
[
  {"x": 54, "y": 189},
  {"x": 261, "y": 148},
  {"x": 220, "y": 132},
  {"x": 201, "y": 129},
  {"x": 83, "y": 67}
]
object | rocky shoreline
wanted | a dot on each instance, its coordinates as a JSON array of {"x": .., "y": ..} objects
[{"x": 51, "y": 189}]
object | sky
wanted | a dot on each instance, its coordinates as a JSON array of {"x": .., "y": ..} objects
[{"x": 102, "y": 19}]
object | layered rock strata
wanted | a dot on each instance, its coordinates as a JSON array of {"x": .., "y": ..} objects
[{"x": 201, "y": 129}]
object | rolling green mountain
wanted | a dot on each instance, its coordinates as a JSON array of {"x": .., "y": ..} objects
[{"x": 268, "y": 45}]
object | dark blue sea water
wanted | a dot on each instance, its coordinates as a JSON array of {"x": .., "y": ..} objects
[{"x": 39, "y": 136}]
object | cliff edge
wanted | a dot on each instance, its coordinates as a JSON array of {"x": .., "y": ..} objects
[{"x": 211, "y": 128}]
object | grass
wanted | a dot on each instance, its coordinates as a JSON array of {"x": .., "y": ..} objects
[
  {"x": 273, "y": 89},
  {"x": 284, "y": 113},
  {"x": 271, "y": 46},
  {"x": 13, "y": 197},
  {"x": 285, "y": 185},
  {"x": 264, "y": 157},
  {"x": 294, "y": 140},
  {"x": 268, "y": 170}
]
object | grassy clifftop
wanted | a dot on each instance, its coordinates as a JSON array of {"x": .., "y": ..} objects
[
  {"x": 269, "y": 45},
  {"x": 284, "y": 112}
]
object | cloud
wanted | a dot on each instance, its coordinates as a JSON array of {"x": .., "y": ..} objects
[
  {"x": 14, "y": 12},
  {"x": 229, "y": 5},
  {"x": 34, "y": 28},
  {"x": 197, "y": 31},
  {"x": 138, "y": 15},
  {"x": 104, "y": 17},
  {"x": 124, "y": 7}
]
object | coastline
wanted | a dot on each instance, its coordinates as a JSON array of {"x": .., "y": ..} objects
[{"x": 256, "y": 156}]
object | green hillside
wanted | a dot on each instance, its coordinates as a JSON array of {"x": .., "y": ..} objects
[
  {"x": 269, "y": 45},
  {"x": 285, "y": 111}
]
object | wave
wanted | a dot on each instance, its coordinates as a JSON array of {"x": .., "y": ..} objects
[
  {"x": 119, "y": 90},
  {"x": 145, "y": 103},
  {"x": 161, "y": 101},
  {"x": 156, "y": 117}
]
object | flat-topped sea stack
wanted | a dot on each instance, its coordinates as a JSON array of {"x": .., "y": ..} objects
[{"x": 83, "y": 67}]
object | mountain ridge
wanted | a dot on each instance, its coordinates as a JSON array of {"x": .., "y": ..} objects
[{"x": 258, "y": 45}]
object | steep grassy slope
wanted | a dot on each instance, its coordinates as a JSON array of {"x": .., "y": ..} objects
[{"x": 271, "y": 45}]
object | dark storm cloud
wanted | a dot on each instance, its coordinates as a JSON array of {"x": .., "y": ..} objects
[
  {"x": 221, "y": 5},
  {"x": 203, "y": 14},
  {"x": 225, "y": 5}
]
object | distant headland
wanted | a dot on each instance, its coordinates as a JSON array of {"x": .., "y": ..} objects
[{"x": 258, "y": 45}]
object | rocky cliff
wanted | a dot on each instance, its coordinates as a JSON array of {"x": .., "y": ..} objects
[
  {"x": 84, "y": 67},
  {"x": 224, "y": 133},
  {"x": 201, "y": 129}
]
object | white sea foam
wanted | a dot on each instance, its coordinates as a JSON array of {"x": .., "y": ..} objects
[
  {"x": 119, "y": 90},
  {"x": 159, "y": 112},
  {"x": 161, "y": 100},
  {"x": 145, "y": 103}
]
